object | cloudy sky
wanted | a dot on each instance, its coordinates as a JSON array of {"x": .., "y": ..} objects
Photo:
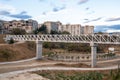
[{"x": 104, "y": 14}]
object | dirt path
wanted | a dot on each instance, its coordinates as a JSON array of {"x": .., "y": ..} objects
[{"x": 4, "y": 68}]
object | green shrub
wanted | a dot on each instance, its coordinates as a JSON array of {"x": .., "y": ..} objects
[
  {"x": 76, "y": 76},
  {"x": 11, "y": 41},
  {"x": 114, "y": 75},
  {"x": 31, "y": 45},
  {"x": 49, "y": 54},
  {"x": 5, "y": 54},
  {"x": 18, "y": 31}
]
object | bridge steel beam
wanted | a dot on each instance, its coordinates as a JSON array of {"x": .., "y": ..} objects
[
  {"x": 38, "y": 50},
  {"x": 83, "y": 38},
  {"x": 93, "y": 54}
]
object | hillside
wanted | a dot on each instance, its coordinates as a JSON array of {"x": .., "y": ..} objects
[
  {"x": 15, "y": 52},
  {"x": 1, "y": 39}
]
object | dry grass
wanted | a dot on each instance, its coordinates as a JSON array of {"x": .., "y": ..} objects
[
  {"x": 27, "y": 50},
  {"x": 1, "y": 38},
  {"x": 73, "y": 75},
  {"x": 79, "y": 65},
  {"x": 16, "y": 52}
]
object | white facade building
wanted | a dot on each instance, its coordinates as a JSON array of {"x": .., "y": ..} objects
[
  {"x": 73, "y": 29},
  {"x": 1, "y": 27},
  {"x": 27, "y": 25},
  {"x": 52, "y": 26},
  {"x": 88, "y": 29}
]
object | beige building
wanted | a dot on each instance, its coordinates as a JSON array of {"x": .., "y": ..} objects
[
  {"x": 77, "y": 29},
  {"x": 74, "y": 29},
  {"x": 1, "y": 27},
  {"x": 27, "y": 25},
  {"x": 88, "y": 29},
  {"x": 52, "y": 26}
]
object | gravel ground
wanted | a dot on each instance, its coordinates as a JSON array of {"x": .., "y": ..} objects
[{"x": 23, "y": 76}]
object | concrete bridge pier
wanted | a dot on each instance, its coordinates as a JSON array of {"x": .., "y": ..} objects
[
  {"x": 93, "y": 54},
  {"x": 38, "y": 50}
]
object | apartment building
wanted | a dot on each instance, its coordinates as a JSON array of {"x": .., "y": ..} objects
[
  {"x": 74, "y": 29},
  {"x": 52, "y": 26},
  {"x": 88, "y": 29},
  {"x": 1, "y": 27},
  {"x": 27, "y": 25},
  {"x": 77, "y": 29}
]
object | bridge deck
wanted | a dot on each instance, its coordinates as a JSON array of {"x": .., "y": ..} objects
[{"x": 95, "y": 38}]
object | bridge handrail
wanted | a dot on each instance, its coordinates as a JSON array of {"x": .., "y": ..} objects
[{"x": 83, "y": 38}]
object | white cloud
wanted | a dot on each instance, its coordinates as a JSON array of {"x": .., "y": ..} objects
[
  {"x": 113, "y": 19},
  {"x": 7, "y": 8},
  {"x": 96, "y": 19},
  {"x": 111, "y": 31},
  {"x": 83, "y": 1}
]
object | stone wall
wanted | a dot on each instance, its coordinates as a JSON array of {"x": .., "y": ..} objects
[{"x": 80, "y": 57}]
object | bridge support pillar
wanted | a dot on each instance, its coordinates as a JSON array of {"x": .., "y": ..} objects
[
  {"x": 38, "y": 50},
  {"x": 93, "y": 54}
]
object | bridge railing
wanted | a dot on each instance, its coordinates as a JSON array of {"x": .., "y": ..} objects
[{"x": 83, "y": 38}]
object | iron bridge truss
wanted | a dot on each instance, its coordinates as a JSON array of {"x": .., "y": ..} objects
[{"x": 83, "y": 38}]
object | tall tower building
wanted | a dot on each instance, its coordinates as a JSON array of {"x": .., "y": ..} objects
[
  {"x": 52, "y": 26},
  {"x": 88, "y": 29},
  {"x": 1, "y": 27},
  {"x": 74, "y": 29}
]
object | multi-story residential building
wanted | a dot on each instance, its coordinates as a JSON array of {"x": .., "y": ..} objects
[
  {"x": 52, "y": 26},
  {"x": 33, "y": 24},
  {"x": 59, "y": 26},
  {"x": 27, "y": 25},
  {"x": 82, "y": 29},
  {"x": 1, "y": 27},
  {"x": 88, "y": 29},
  {"x": 75, "y": 29}
]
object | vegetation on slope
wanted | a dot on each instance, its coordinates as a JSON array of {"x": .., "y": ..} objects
[
  {"x": 15, "y": 52},
  {"x": 1, "y": 39},
  {"x": 80, "y": 75},
  {"x": 78, "y": 47},
  {"x": 27, "y": 50}
]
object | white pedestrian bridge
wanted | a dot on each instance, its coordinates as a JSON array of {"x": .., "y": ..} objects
[
  {"x": 95, "y": 38},
  {"x": 92, "y": 39}
]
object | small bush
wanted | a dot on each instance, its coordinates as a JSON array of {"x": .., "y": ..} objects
[
  {"x": 18, "y": 31},
  {"x": 31, "y": 45},
  {"x": 114, "y": 75},
  {"x": 53, "y": 75},
  {"x": 5, "y": 54},
  {"x": 11, "y": 41}
]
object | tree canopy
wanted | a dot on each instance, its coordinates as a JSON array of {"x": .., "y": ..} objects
[
  {"x": 42, "y": 30},
  {"x": 18, "y": 31}
]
